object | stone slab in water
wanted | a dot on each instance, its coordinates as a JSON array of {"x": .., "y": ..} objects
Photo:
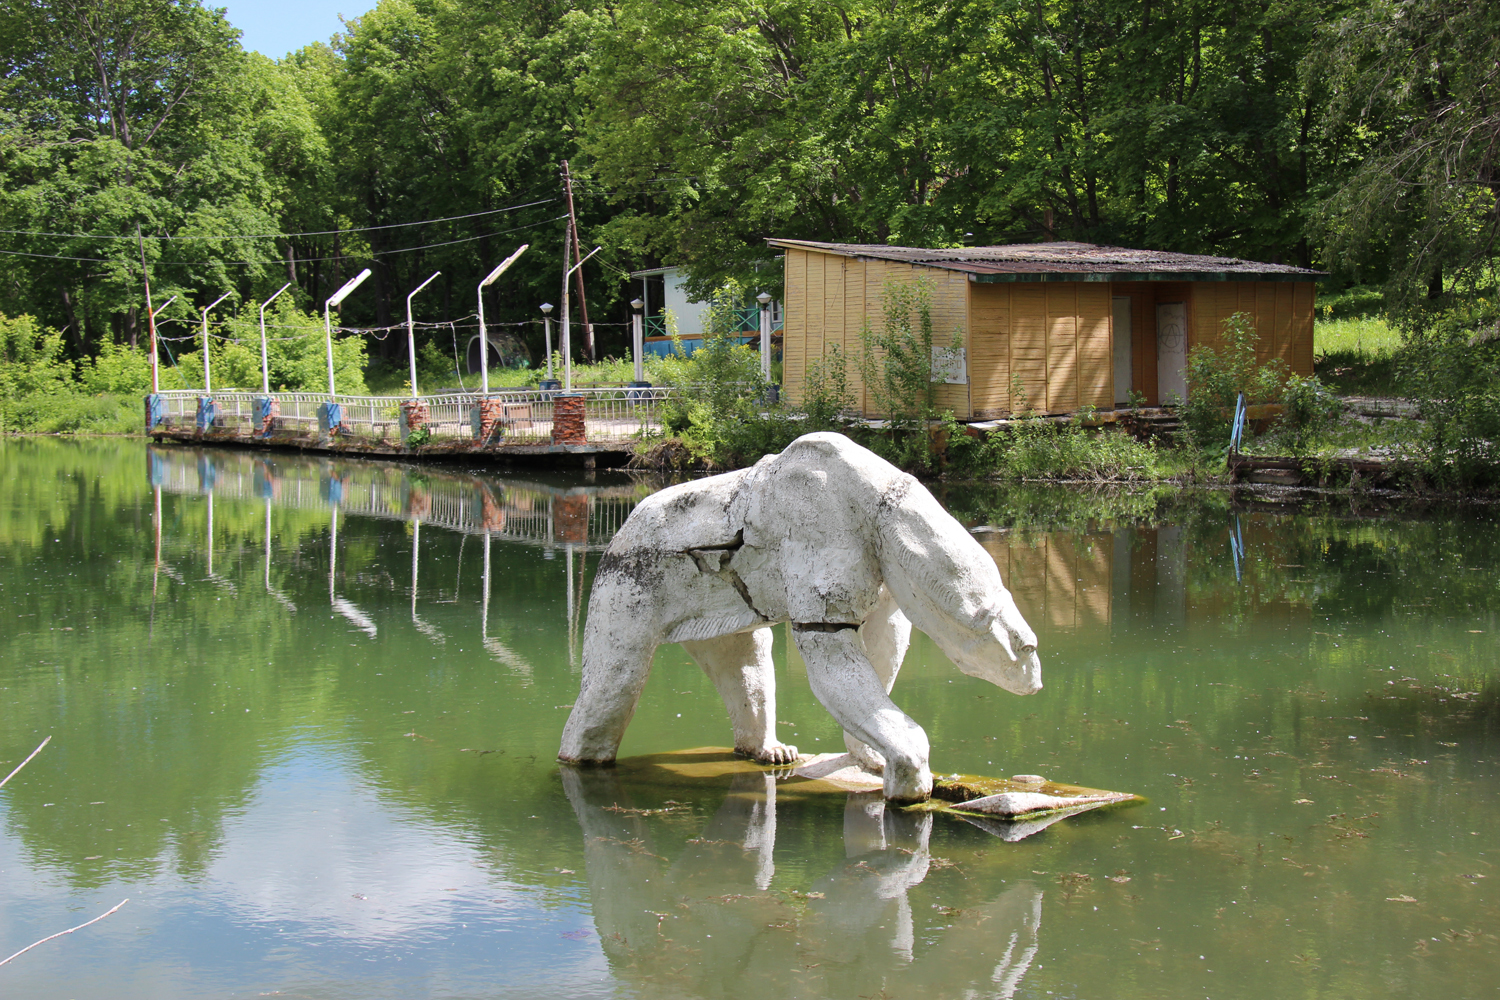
[{"x": 1009, "y": 808}]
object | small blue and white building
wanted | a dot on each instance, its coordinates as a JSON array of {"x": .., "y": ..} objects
[{"x": 663, "y": 290}]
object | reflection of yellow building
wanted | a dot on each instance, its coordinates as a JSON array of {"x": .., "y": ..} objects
[
  {"x": 1061, "y": 579},
  {"x": 1067, "y": 581}
]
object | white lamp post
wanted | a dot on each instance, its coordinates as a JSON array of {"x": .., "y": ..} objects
[
  {"x": 764, "y": 299},
  {"x": 484, "y": 341},
  {"x": 215, "y": 302},
  {"x": 547, "y": 335},
  {"x": 567, "y": 331},
  {"x": 155, "y": 375},
  {"x": 411, "y": 337},
  {"x": 265, "y": 365},
  {"x": 153, "y": 314},
  {"x": 333, "y": 300},
  {"x": 637, "y": 338}
]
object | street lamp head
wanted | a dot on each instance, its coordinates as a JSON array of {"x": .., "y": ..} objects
[
  {"x": 338, "y": 297},
  {"x": 637, "y": 305},
  {"x": 546, "y": 309},
  {"x": 764, "y": 298},
  {"x": 507, "y": 262}
]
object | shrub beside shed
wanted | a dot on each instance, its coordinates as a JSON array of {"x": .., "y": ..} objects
[{"x": 1077, "y": 324}]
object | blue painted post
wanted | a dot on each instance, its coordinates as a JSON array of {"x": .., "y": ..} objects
[
  {"x": 330, "y": 418},
  {"x": 156, "y": 469},
  {"x": 1237, "y": 431},
  {"x": 265, "y": 409},
  {"x": 208, "y": 413},
  {"x": 156, "y": 411}
]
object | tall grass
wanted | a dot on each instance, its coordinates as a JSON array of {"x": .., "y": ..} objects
[
  {"x": 1355, "y": 347},
  {"x": 1368, "y": 338}
]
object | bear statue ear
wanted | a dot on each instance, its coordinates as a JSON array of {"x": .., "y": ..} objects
[{"x": 1002, "y": 636}]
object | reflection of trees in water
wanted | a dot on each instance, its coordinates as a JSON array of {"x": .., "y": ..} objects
[{"x": 703, "y": 919}]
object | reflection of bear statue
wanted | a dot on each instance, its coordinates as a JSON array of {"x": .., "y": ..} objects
[
  {"x": 829, "y": 537},
  {"x": 710, "y": 918}
]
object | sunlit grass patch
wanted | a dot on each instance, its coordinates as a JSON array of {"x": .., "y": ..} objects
[{"x": 1365, "y": 338}]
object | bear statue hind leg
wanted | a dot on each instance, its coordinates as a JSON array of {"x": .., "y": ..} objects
[
  {"x": 843, "y": 680},
  {"x": 742, "y": 670}
]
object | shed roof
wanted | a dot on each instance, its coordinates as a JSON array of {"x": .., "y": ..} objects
[{"x": 1066, "y": 262}]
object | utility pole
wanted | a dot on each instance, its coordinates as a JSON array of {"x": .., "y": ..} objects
[
  {"x": 150, "y": 313},
  {"x": 588, "y": 328}
]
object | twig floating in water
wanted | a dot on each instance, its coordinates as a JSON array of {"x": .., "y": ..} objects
[
  {"x": 17, "y": 771},
  {"x": 70, "y": 930}
]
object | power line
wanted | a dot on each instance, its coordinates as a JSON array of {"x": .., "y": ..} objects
[
  {"x": 273, "y": 236},
  {"x": 272, "y": 261}
]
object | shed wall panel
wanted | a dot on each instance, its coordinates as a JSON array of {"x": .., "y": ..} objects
[
  {"x": 795, "y": 345},
  {"x": 1304, "y": 297},
  {"x": 1283, "y": 321},
  {"x": 1028, "y": 345},
  {"x": 1062, "y": 347},
  {"x": 989, "y": 348},
  {"x": 1268, "y": 338},
  {"x": 1096, "y": 376}
]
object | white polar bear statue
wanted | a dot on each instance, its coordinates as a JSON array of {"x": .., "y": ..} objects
[{"x": 829, "y": 537}]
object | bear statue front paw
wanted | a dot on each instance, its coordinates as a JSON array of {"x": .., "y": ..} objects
[
  {"x": 774, "y": 753},
  {"x": 908, "y": 782}
]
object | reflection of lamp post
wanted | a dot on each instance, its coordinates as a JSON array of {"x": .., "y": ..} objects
[
  {"x": 285, "y": 600},
  {"x": 265, "y": 366},
  {"x": 637, "y": 337},
  {"x": 358, "y": 618},
  {"x": 411, "y": 337},
  {"x": 206, "y": 311},
  {"x": 335, "y": 300},
  {"x": 484, "y": 343},
  {"x": 764, "y": 298},
  {"x": 547, "y": 334}
]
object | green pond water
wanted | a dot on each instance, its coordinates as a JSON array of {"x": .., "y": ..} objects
[{"x": 303, "y": 716}]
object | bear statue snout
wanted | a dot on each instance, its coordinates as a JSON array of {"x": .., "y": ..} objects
[{"x": 1027, "y": 677}]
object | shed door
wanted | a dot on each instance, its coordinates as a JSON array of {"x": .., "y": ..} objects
[
  {"x": 1121, "y": 304},
  {"x": 1171, "y": 350}
]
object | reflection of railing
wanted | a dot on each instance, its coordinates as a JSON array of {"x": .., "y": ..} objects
[
  {"x": 532, "y": 513},
  {"x": 513, "y": 416}
]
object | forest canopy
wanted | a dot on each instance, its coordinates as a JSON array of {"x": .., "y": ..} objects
[{"x": 1356, "y": 137}]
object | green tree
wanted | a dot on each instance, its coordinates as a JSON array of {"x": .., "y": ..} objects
[
  {"x": 124, "y": 114},
  {"x": 1414, "y": 85}
]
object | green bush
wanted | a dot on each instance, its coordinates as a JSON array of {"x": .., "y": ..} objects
[
  {"x": 116, "y": 370},
  {"x": 897, "y": 366},
  {"x": 1037, "y": 449},
  {"x": 74, "y": 413},
  {"x": 1216, "y": 378},
  {"x": 722, "y": 409},
  {"x": 1452, "y": 368},
  {"x": 1311, "y": 409},
  {"x": 31, "y": 359},
  {"x": 826, "y": 393}
]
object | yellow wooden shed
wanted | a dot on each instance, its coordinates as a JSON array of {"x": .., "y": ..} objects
[{"x": 1044, "y": 327}]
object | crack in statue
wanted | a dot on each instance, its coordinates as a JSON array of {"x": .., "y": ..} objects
[{"x": 829, "y": 537}]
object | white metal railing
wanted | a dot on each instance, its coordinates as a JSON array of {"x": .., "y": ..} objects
[{"x": 612, "y": 414}]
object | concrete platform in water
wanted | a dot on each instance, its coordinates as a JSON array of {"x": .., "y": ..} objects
[
  {"x": 607, "y": 454},
  {"x": 1010, "y": 808},
  {"x": 592, "y": 427}
]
